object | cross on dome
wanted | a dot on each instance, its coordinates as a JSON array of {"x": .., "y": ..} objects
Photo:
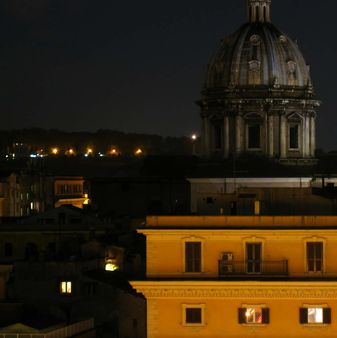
[{"x": 259, "y": 10}]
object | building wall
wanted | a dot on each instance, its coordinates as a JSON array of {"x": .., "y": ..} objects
[
  {"x": 165, "y": 316},
  {"x": 169, "y": 288},
  {"x": 292, "y": 196},
  {"x": 277, "y": 246}
]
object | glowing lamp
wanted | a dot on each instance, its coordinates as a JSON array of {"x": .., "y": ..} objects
[
  {"x": 54, "y": 151},
  {"x": 110, "y": 265}
]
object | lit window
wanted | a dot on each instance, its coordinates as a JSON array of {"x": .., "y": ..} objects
[
  {"x": 315, "y": 315},
  {"x": 111, "y": 265},
  {"x": 65, "y": 287},
  {"x": 193, "y": 315},
  {"x": 254, "y": 315}
]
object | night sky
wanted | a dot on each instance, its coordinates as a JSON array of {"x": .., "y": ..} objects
[{"x": 138, "y": 66}]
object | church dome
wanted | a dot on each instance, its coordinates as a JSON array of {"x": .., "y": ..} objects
[
  {"x": 258, "y": 97},
  {"x": 258, "y": 54}
]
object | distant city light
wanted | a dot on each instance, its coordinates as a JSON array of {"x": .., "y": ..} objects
[
  {"x": 114, "y": 152},
  {"x": 139, "y": 152},
  {"x": 55, "y": 151},
  {"x": 70, "y": 152},
  {"x": 194, "y": 137},
  {"x": 89, "y": 152}
]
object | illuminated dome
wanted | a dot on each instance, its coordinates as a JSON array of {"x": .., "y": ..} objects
[
  {"x": 258, "y": 54},
  {"x": 258, "y": 97}
]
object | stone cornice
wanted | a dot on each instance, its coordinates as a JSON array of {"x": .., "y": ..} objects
[{"x": 238, "y": 290}]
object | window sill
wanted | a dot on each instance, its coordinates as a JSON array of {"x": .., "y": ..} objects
[{"x": 254, "y": 325}]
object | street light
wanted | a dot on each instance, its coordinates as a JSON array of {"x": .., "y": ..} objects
[{"x": 194, "y": 138}]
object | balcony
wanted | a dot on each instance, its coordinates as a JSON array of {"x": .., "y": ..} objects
[{"x": 253, "y": 268}]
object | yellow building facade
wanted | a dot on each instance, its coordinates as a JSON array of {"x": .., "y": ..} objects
[{"x": 253, "y": 276}]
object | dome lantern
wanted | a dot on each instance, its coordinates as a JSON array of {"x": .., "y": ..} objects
[{"x": 259, "y": 10}]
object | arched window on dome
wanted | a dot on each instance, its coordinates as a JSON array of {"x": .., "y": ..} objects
[
  {"x": 292, "y": 76},
  {"x": 254, "y": 76}
]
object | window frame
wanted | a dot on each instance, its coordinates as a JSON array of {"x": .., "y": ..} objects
[
  {"x": 66, "y": 293},
  {"x": 290, "y": 126},
  {"x": 185, "y": 307},
  {"x": 184, "y": 265},
  {"x": 304, "y": 314},
  {"x": 249, "y": 125},
  {"x": 265, "y": 315},
  {"x": 306, "y": 258}
]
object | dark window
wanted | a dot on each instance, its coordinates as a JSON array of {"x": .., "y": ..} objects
[
  {"x": 293, "y": 135},
  {"x": 257, "y": 13},
  {"x": 31, "y": 251},
  {"x": 62, "y": 218},
  {"x": 253, "y": 254},
  {"x": 315, "y": 256},
  {"x": 193, "y": 315},
  {"x": 315, "y": 315},
  {"x": 233, "y": 208},
  {"x": 51, "y": 248},
  {"x": 193, "y": 256},
  {"x": 8, "y": 249},
  {"x": 210, "y": 200},
  {"x": 125, "y": 187},
  {"x": 264, "y": 13},
  {"x": 217, "y": 136},
  {"x": 254, "y": 136},
  {"x": 90, "y": 288},
  {"x": 75, "y": 221}
]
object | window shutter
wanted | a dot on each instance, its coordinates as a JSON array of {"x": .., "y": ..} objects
[
  {"x": 265, "y": 316},
  {"x": 327, "y": 316},
  {"x": 303, "y": 316},
  {"x": 193, "y": 257},
  {"x": 242, "y": 316}
]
